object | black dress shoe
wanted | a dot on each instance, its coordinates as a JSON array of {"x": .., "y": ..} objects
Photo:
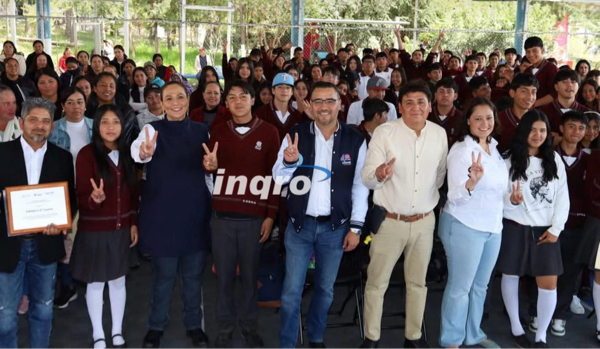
[
  {"x": 99, "y": 340},
  {"x": 152, "y": 339},
  {"x": 199, "y": 338},
  {"x": 417, "y": 343},
  {"x": 223, "y": 340},
  {"x": 367, "y": 343},
  {"x": 253, "y": 339},
  {"x": 316, "y": 345},
  {"x": 521, "y": 341},
  {"x": 124, "y": 345},
  {"x": 540, "y": 344}
]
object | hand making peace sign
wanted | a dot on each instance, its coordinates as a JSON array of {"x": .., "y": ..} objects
[
  {"x": 384, "y": 171},
  {"x": 210, "y": 158},
  {"x": 98, "y": 193},
  {"x": 476, "y": 170},
  {"x": 516, "y": 197},
  {"x": 148, "y": 146},
  {"x": 291, "y": 153}
]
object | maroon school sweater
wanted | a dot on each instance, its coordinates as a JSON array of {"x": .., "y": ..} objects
[
  {"x": 592, "y": 184},
  {"x": 268, "y": 113},
  {"x": 415, "y": 71},
  {"x": 222, "y": 116},
  {"x": 118, "y": 210},
  {"x": 251, "y": 154},
  {"x": 554, "y": 113},
  {"x": 464, "y": 91},
  {"x": 576, "y": 184},
  {"x": 508, "y": 122},
  {"x": 451, "y": 123},
  {"x": 545, "y": 76}
]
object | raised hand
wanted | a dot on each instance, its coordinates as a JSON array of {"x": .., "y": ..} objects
[
  {"x": 398, "y": 33},
  {"x": 476, "y": 169},
  {"x": 210, "y": 158},
  {"x": 291, "y": 153},
  {"x": 384, "y": 171},
  {"x": 287, "y": 46},
  {"x": 98, "y": 195},
  {"x": 148, "y": 146},
  {"x": 516, "y": 197},
  {"x": 224, "y": 46},
  {"x": 441, "y": 35}
]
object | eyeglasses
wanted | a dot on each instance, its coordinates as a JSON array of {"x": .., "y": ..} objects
[{"x": 329, "y": 101}]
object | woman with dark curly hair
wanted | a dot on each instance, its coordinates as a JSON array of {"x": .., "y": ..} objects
[{"x": 533, "y": 221}]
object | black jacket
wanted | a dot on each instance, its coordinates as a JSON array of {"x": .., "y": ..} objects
[
  {"x": 23, "y": 88},
  {"x": 57, "y": 167}
]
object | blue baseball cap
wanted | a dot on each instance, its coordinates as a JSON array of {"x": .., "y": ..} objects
[{"x": 283, "y": 79}]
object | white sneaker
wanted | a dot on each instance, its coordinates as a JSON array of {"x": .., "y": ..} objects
[
  {"x": 558, "y": 327},
  {"x": 576, "y": 307},
  {"x": 533, "y": 324}
]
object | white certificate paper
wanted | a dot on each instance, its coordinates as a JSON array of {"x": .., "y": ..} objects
[{"x": 31, "y": 209}]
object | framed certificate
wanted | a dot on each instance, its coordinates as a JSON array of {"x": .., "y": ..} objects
[{"x": 31, "y": 208}]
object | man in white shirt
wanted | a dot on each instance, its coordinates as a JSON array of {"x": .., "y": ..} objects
[
  {"x": 376, "y": 87},
  {"x": 9, "y": 123},
  {"x": 382, "y": 69},
  {"x": 368, "y": 71},
  {"x": 33, "y": 160},
  {"x": 325, "y": 220},
  {"x": 420, "y": 147}
]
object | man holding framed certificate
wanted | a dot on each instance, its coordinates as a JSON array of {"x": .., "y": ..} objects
[{"x": 33, "y": 181}]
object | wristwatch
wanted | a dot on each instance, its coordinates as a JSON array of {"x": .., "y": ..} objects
[{"x": 356, "y": 231}]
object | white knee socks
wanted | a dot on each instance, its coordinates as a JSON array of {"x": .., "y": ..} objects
[
  {"x": 597, "y": 304},
  {"x": 546, "y": 305},
  {"x": 510, "y": 295},
  {"x": 94, "y": 300},
  {"x": 117, "y": 293}
]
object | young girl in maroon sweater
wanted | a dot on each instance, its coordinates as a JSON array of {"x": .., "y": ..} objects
[{"x": 108, "y": 205}]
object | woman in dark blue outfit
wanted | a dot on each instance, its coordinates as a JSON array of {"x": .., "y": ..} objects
[{"x": 174, "y": 212}]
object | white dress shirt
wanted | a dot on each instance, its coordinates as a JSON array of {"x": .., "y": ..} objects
[
  {"x": 319, "y": 197},
  {"x": 418, "y": 171},
  {"x": 33, "y": 161},
  {"x": 482, "y": 208},
  {"x": 356, "y": 114}
]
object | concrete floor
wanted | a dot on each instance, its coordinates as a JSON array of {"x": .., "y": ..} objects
[{"x": 72, "y": 326}]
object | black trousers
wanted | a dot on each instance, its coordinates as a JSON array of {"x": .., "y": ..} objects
[{"x": 236, "y": 241}]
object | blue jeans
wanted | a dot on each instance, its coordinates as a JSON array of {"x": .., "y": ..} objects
[
  {"x": 41, "y": 279},
  {"x": 327, "y": 246},
  {"x": 164, "y": 273},
  {"x": 471, "y": 258}
]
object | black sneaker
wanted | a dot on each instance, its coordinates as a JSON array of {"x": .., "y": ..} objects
[
  {"x": 199, "y": 338},
  {"x": 67, "y": 295},
  {"x": 540, "y": 344},
  {"x": 152, "y": 339},
  {"x": 253, "y": 339},
  {"x": 223, "y": 340},
  {"x": 367, "y": 343},
  {"x": 521, "y": 341},
  {"x": 417, "y": 343}
]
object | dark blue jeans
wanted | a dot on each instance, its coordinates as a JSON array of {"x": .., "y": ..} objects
[
  {"x": 41, "y": 279},
  {"x": 299, "y": 247},
  {"x": 164, "y": 273}
]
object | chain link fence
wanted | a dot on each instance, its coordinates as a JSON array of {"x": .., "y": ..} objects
[{"x": 148, "y": 37}]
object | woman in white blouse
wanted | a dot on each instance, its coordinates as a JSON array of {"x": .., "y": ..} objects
[
  {"x": 136, "y": 93},
  {"x": 533, "y": 222},
  {"x": 471, "y": 224}
]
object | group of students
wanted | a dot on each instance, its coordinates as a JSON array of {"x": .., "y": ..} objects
[{"x": 510, "y": 145}]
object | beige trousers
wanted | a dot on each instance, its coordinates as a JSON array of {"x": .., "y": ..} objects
[{"x": 395, "y": 237}]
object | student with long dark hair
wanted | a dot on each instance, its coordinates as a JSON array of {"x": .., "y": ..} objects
[
  {"x": 108, "y": 200},
  {"x": 136, "y": 93},
  {"x": 533, "y": 221},
  {"x": 591, "y": 140},
  {"x": 244, "y": 71},
  {"x": 96, "y": 65}
]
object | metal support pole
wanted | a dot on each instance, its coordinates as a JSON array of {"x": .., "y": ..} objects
[
  {"x": 521, "y": 24},
  {"x": 97, "y": 40},
  {"x": 182, "y": 29},
  {"x": 229, "y": 24},
  {"x": 12, "y": 10},
  {"x": 297, "y": 23},
  {"x": 415, "y": 43},
  {"x": 126, "y": 26}
]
